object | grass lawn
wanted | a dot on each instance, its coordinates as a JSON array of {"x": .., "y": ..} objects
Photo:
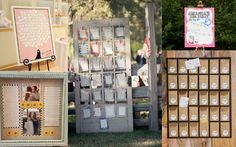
[{"x": 138, "y": 138}]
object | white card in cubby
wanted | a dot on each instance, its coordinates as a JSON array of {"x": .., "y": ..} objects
[{"x": 110, "y": 111}]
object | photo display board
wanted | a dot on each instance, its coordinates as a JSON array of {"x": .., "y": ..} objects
[
  {"x": 199, "y": 26},
  {"x": 199, "y": 97},
  {"x": 103, "y": 96},
  {"x": 33, "y": 109},
  {"x": 33, "y": 34}
]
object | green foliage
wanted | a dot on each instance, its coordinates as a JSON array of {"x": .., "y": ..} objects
[{"x": 173, "y": 25}]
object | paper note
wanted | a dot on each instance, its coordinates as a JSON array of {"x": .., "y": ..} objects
[
  {"x": 84, "y": 95},
  {"x": 120, "y": 62},
  {"x": 52, "y": 98},
  {"x": 192, "y": 64},
  {"x": 103, "y": 124},
  {"x": 119, "y": 31},
  {"x": 107, "y": 32},
  {"x": 84, "y": 81},
  {"x": 10, "y": 97},
  {"x": 121, "y": 94},
  {"x": 110, "y": 111},
  {"x": 97, "y": 112},
  {"x": 87, "y": 113},
  {"x": 94, "y": 33},
  {"x": 121, "y": 111},
  {"x": 120, "y": 46},
  {"x": 107, "y": 47},
  {"x": 83, "y": 63},
  {"x": 108, "y": 79},
  {"x": 96, "y": 64},
  {"x": 109, "y": 95},
  {"x": 183, "y": 102},
  {"x": 97, "y": 95},
  {"x": 83, "y": 48},
  {"x": 108, "y": 63},
  {"x": 96, "y": 80},
  {"x": 121, "y": 80}
]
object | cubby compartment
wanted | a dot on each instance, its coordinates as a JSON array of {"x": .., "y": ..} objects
[
  {"x": 224, "y": 98},
  {"x": 203, "y": 81},
  {"x": 214, "y": 66},
  {"x": 193, "y": 129},
  {"x": 183, "y": 114},
  {"x": 203, "y": 97},
  {"x": 214, "y": 82},
  {"x": 193, "y": 113},
  {"x": 183, "y": 129},
  {"x": 172, "y": 82},
  {"x": 214, "y": 113},
  {"x": 224, "y": 114},
  {"x": 173, "y": 129},
  {"x": 173, "y": 113},
  {"x": 214, "y": 129},
  {"x": 203, "y": 69},
  {"x": 172, "y": 66},
  {"x": 183, "y": 82},
  {"x": 224, "y": 66},
  {"x": 224, "y": 82},
  {"x": 172, "y": 98},
  {"x": 225, "y": 129},
  {"x": 193, "y": 82},
  {"x": 193, "y": 97},
  {"x": 214, "y": 98},
  {"x": 181, "y": 66}
]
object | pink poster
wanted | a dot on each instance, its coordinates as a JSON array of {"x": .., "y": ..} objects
[
  {"x": 199, "y": 28},
  {"x": 33, "y": 34}
]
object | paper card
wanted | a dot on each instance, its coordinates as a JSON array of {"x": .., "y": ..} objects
[
  {"x": 120, "y": 62},
  {"x": 192, "y": 64},
  {"x": 83, "y": 64},
  {"x": 84, "y": 81},
  {"x": 83, "y": 48},
  {"x": 87, "y": 113},
  {"x": 107, "y": 48},
  {"x": 96, "y": 81},
  {"x": 83, "y": 34},
  {"x": 97, "y": 112},
  {"x": 97, "y": 95},
  {"x": 10, "y": 112},
  {"x": 96, "y": 64},
  {"x": 120, "y": 45},
  {"x": 110, "y": 111},
  {"x": 94, "y": 33},
  {"x": 199, "y": 27},
  {"x": 84, "y": 96},
  {"x": 34, "y": 40},
  {"x": 108, "y": 63},
  {"x": 107, "y": 32},
  {"x": 95, "y": 48},
  {"x": 119, "y": 32},
  {"x": 108, "y": 79},
  {"x": 121, "y": 111},
  {"x": 121, "y": 80},
  {"x": 103, "y": 124},
  {"x": 109, "y": 95},
  {"x": 183, "y": 102},
  {"x": 121, "y": 94},
  {"x": 52, "y": 96},
  {"x": 135, "y": 81}
]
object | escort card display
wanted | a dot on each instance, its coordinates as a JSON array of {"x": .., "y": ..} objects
[
  {"x": 33, "y": 108},
  {"x": 199, "y": 98},
  {"x": 33, "y": 33},
  {"x": 103, "y": 96}
]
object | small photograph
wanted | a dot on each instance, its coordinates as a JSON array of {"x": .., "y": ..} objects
[
  {"x": 31, "y": 93},
  {"x": 31, "y": 122}
]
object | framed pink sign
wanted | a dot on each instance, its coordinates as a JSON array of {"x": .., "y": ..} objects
[
  {"x": 199, "y": 25},
  {"x": 33, "y": 34}
]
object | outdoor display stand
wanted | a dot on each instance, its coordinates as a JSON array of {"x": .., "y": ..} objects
[
  {"x": 199, "y": 99},
  {"x": 103, "y": 96},
  {"x": 33, "y": 109}
]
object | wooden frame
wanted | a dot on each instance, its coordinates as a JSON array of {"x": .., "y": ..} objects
[
  {"x": 84, "y": 38},
  {"x": 50, "y": 135},
  {"x": 208, "y": 105}
]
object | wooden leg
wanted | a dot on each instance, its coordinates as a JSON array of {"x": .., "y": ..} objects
[
  {"x": 48, "y": 65},
  {"x": 29, "y": 67},
  {"x": 38, "y": 66}
]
